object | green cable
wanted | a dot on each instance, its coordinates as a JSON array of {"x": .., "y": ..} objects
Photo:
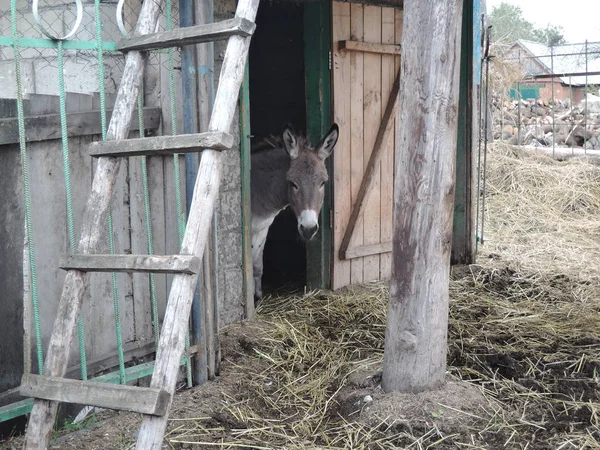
[
  {"x": 100, "y": 51},
  {"x": 26, "y": 190},
  {"x": 154, "y": 303},
  {"x": 111, "y": 240},
  {"x": 181, "y": 220},
  {"x": 111, "y": 244},
  {"x": 68, "y": 190}
]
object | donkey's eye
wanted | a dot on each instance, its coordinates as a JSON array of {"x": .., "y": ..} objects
[
  {"x": 322, "y": 185},
  {"x": 294, "y": 185}
]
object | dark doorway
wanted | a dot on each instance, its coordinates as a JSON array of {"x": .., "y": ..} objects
[{"x": 277, "y": 96}]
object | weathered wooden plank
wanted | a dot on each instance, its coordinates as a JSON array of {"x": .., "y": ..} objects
[
  {"x": 121, "y": 397},
  {"x": 368, "y": 250},
  {"x": 163, "y": 145},
  {"x": 45, "y": 127},
  {"x": 370, "y": 47},
  {"x": 204, "y": 13},
  {"x": 140, "y": 304},
  {"x": 416, "y": 334},
  {"x": 189, "y": 35},
  {"x": 393, "y": 3},
  {"x": 388, "y": 76},
  {"x": 372, "y": 111},
  {"x": 317, "y": 73},
  {"x": 206, "y": 189},
  {"x": 132, "y": 263},
  {"x": 463, "y": 234},
  {"x": 341, "y": 163},
  {"x": 246, "y": 198},
  {"x": 41, "y": 419},
  {"x": 357, "y": 118}
]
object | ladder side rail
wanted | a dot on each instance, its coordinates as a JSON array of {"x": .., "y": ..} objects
[
  {"x": 206, "y": 189},
  {"x": 43, "y": 413}
]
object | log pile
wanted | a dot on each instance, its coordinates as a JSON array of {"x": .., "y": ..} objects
[{"x": 530, "y": 122}]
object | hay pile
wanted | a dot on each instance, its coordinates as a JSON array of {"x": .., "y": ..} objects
[
  {"x": 542, "y": 214},
  {"x": 524, "y": 345},
  {"x": 525, "y": 331},
  {"x": 524, "y": 340}
]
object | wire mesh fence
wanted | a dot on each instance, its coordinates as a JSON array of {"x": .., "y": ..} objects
[
  {"x": 75, "y": 20},
  {"x": 59, "y": 57},
  {"x": 547, "y": 97}
]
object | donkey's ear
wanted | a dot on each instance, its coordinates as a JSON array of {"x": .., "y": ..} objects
[
  {"x": 325, "y": 147},
  {"x": 290, "y": 141}
]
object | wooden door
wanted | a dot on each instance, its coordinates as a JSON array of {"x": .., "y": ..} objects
[{"x": 365, "y": 64}]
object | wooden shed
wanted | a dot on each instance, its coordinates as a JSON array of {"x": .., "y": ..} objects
[{"x": 311, "y": 63}]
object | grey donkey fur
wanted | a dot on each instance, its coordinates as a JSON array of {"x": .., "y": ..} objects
[{"x": 287, "y": 171}]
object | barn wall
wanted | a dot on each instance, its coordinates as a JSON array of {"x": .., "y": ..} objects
[
  {"x": 49, "y": 226},
  {"x": 229, "y": 212},
  {"x": 11, "y": 272},
  {"x": 48, "y": 201}
]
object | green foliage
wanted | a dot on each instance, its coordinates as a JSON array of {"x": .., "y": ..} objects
[
  {"x": 70, "y": 426},
  {"x": 508, "y": 25},
  {"x": 551, "y": 35}
]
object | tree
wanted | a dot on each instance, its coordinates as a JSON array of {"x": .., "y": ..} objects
[
  {"x": 508, "y": 25},
  {"x": 551, "y": 35}
]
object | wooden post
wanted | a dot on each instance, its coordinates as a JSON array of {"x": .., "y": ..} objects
[
  {"x": 415, "y": 341},
  {"x": 463, "y": 235}
]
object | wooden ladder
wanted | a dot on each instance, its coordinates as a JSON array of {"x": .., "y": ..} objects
[{"x": 154, "y": 401}]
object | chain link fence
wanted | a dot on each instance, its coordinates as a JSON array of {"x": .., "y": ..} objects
[
  {"x": 78, "y": 21},
  {"x": 547, "y": 97}
]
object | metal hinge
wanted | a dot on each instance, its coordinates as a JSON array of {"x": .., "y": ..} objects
[{"x": 330, "y": 60}]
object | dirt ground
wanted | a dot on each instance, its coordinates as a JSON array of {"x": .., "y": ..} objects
[{"x": 523, "y": 367}]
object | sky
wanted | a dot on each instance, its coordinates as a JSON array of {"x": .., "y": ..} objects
[{"x": 580, "y": 19}]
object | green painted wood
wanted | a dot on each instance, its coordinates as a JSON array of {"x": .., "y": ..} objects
[
  {"x": 48, "y": 43},
  {"x": 317, "y": 47},
  {"x": 246, "y": 204},
  {"x": 463, "y": 230},
  {"x": 16, "y": 409}
]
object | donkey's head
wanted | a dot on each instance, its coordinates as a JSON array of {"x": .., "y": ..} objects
[{"x": 307, "y": 176}]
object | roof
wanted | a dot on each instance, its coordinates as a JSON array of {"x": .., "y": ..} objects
[{"x": 568, "y": 58}]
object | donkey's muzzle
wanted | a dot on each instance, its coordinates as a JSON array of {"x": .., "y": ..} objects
[{"x": 308, "y": 231}]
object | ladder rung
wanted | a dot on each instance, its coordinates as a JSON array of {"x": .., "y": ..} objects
[
  {"x": 143, "y": 400},
  {"x": 189, "y": 35},
  {"x": 187, "y": 264},
  {"x": 163, "y": 145}
]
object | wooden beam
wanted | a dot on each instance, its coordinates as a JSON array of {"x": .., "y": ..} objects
[
  {"x": 357, "y": 46},
  {"x": 417, "y": 322},
  {"x": 206, "y": 189},
  {"x": 367, "y": 250},
  {"x": 43, "y": 413},
  {"x": 383, "y": 135},
  {"x": 463, "y": 234},
  {"x": 189, "y": 35},
  {"x": 389, "y": 3},
  {"x": 47, "y": 126},
  {"x": 163, "y": 145},
  {"x": 132, "y": 263},
  {"x": 121, "y": 397}
]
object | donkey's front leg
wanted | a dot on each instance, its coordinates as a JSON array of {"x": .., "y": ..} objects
[{"x": 259, "y": 238}]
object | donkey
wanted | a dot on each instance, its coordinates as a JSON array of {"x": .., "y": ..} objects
[{"x": 287, "y": 171}]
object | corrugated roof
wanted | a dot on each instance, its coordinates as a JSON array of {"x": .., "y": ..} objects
[{"x": 566, "y": 60}]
